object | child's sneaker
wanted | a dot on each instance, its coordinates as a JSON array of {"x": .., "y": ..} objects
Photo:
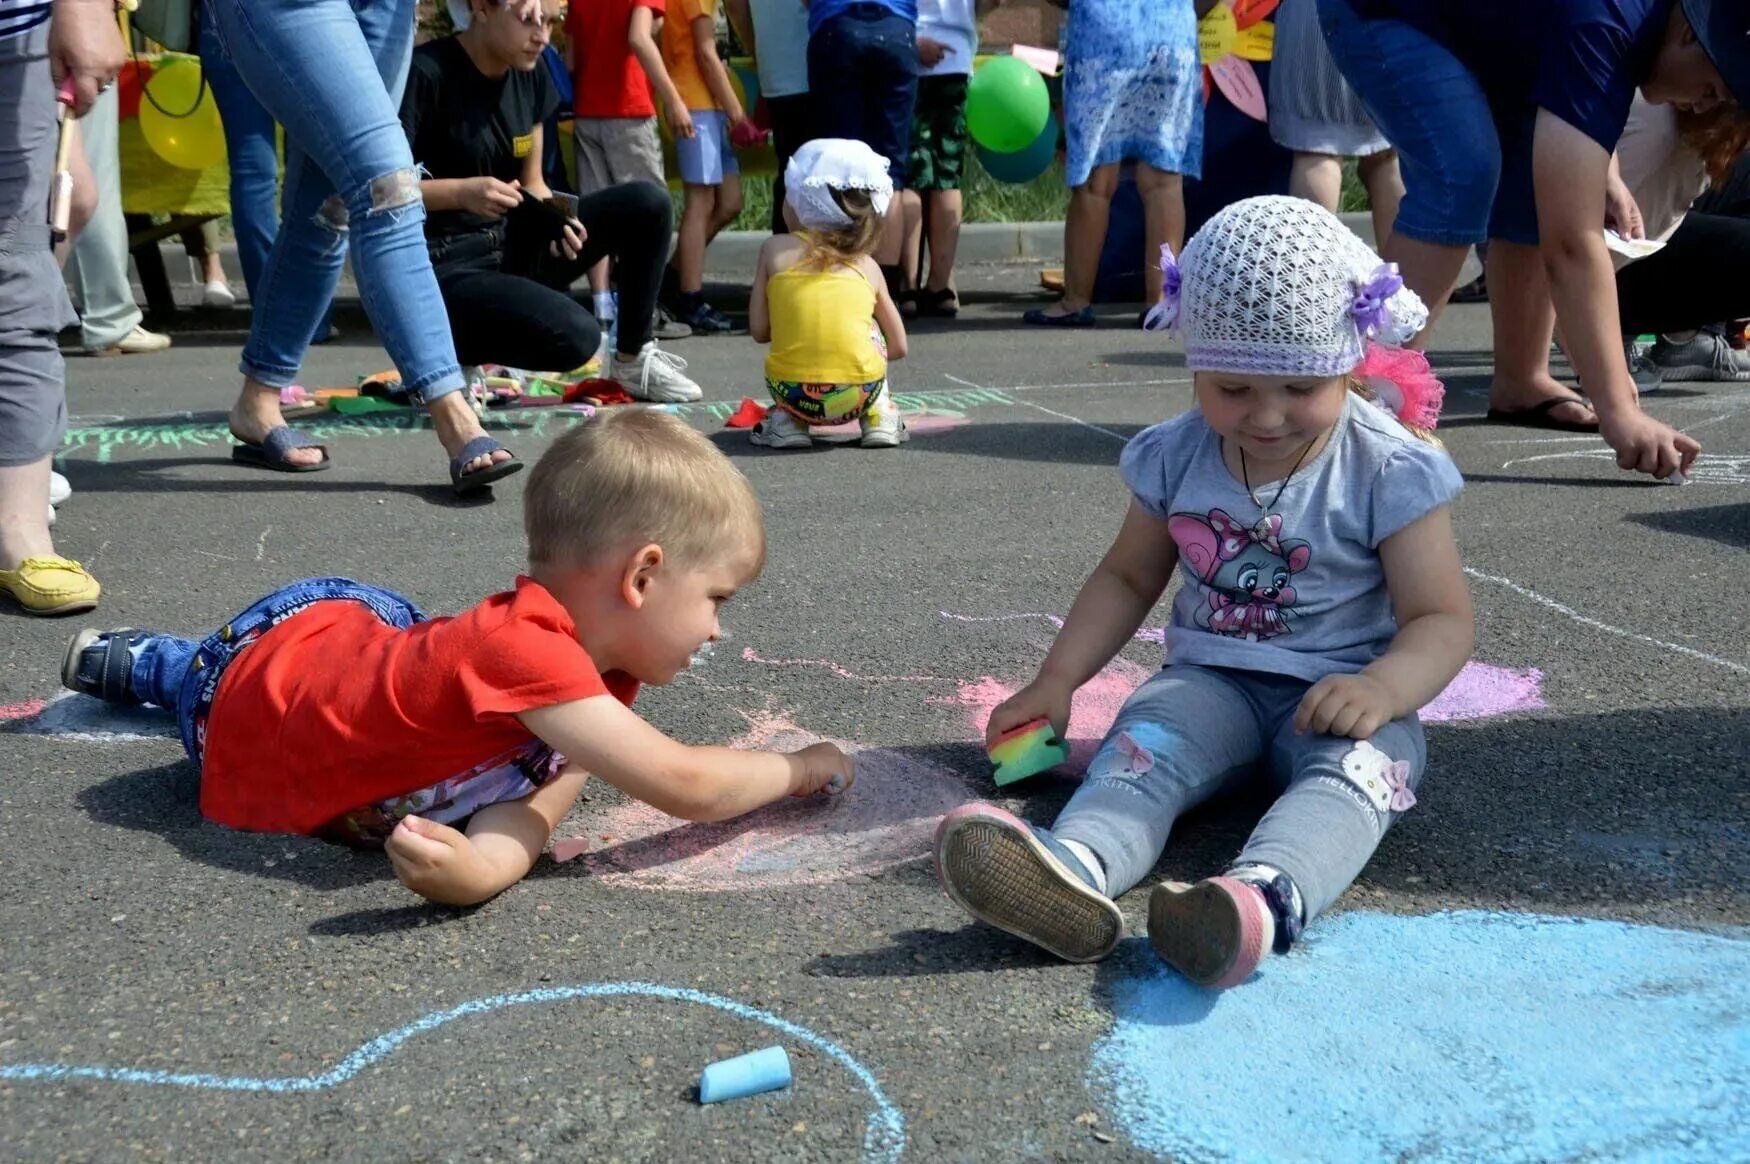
[
  {"x": 1215, "y": 932},
  {"x": 1023, "y": 880},
  {"x": 99, "y": 663},
  {"x": 882, "y": 427},
  {"x": 706, "y": 320},
  {"x": 780, "y": 430},
  {"x": 655, "y": 375}
]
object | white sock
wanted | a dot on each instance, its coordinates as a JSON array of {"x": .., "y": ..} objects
[
  {"x": 1087, "y": 858},
  {"x": 604, "y": 307}
]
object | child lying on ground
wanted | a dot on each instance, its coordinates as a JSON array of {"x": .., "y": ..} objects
[{"x": 335, "y": 709}]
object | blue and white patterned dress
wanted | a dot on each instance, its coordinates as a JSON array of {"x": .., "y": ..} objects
[{"x": 1132, "y": 86}]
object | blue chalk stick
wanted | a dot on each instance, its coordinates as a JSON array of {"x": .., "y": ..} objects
[{"x": 744, "y": 1075}]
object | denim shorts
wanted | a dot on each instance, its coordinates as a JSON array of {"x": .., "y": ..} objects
[
  {"x": 707, "y": 159},
  {"x": 1466, "y": 163},
  {"x": 878, "y": 48}
]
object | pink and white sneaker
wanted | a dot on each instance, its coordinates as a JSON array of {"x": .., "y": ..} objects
[{"x": 1215, "y": 932}]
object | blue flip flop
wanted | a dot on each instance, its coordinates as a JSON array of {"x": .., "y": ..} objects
[
  {"x": 272, "y": 452},
  {"x": 464, "y": 483}
]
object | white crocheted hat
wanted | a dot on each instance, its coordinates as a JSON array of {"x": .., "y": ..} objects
[
  {"x": 834, "y": 163},
  {"x": 1277, "y": 286}
]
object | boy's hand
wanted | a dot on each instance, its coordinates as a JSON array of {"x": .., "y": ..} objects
[
  {"x": 490, "y": 198},
  {"x": 1040, "y": 699},
  {"x": 436, "y": 861},
  {"x": 825, "y": 769},
  {"x": 1356, "y": 706},
  {"x": 930, "y": 52},
  {"x": 680, "y": 121}
]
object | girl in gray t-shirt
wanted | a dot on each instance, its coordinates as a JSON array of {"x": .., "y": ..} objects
[{"x": 1322, "y": 604}]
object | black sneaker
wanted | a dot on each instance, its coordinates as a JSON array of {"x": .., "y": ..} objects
[
  {"x": 99, "y": 663},
  {"x": 707, "y": 320},
  {"x": 667, "y": 327}
]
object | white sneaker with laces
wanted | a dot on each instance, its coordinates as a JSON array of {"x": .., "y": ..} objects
[
  {"x": 137, "y": 342},
  {"x": 780, "y": 430},
  {"x": 881, "y": 424},
  {"x": 655, "y": 375},
  {"x": 218, "y": 293},
  {"x": 59, "y": 488}
]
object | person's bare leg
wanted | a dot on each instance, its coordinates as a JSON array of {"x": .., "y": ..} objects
[
  {"x": 892, "y": 245},
  {"x": 1163, "y": 217},
  {"x": 24, "y": 513},
  {"x": 1317, "y": 178},
  {"x": 726, "y": 208},
  {"x": 1384, "y": 181},
  {"x": 911, "y": 245},
  {"x": 1524, "y": 317},
  {"x": 1084, "y": 235},
  {"x": 947, "y": 209},
  {"x": 1428, "y": 269},
  {"x": 696, "y": 209},
  {"x": 598, "y": 277}
]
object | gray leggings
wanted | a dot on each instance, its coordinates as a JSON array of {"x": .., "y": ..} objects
[{"x": 1190, "y": 732}]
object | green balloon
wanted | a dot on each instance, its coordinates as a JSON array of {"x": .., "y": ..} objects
[{"x": 1006, "y": 105}]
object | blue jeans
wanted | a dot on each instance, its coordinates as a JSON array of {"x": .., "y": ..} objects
[
  {"x": 252, "y": 147},
  {"x": 1466, "y": 164},
  {"x": 880, "y": 50},
  {"x": 1191, "y": 732},
  {"x": 331, "y": 72},
  {"x": 182, "y": 676}
]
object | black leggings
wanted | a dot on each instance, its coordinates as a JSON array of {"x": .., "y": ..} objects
[
  {"x": 1692, "y": 282},
  {"x": 509, "y": 301}
]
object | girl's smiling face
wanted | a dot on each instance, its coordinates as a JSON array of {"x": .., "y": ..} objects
[{"x": 1272, "y": 419}]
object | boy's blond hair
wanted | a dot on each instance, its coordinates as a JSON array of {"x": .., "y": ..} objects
[{"x": 632, "y": 476}]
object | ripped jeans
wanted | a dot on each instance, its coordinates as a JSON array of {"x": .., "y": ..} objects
[
  {"x": 1191, "y": 732},
  {"x": 331, "y": 72}
]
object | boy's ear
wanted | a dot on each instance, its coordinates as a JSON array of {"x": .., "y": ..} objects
[{"x": 641, "y": 570}]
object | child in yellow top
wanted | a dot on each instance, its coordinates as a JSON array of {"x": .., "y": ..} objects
[{"x": 821, "y": 301}]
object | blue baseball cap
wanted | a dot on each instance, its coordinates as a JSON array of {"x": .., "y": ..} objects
[{"x": 1723, "y": 28}]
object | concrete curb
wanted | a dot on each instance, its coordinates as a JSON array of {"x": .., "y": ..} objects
[{"x": 736, "y": 250}]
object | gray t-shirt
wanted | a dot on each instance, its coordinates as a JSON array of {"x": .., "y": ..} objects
[{"x": 1300, "y": 592}]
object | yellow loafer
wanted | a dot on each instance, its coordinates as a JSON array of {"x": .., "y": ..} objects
[{"x": 51, "y": 585}]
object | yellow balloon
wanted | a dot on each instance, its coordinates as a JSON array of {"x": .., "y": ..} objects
[
  {"x": 1216, "y": 34},
  {"x": 179, "y": 118}
]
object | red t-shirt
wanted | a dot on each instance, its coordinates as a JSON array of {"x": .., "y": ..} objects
[
  {"x": 609, "y": 82},
  {"x": 333, "y": 709}
]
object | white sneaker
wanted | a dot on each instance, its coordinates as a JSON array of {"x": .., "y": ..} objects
[
  {"x": 51, "y": 515},
  {"x": 136, "y": 342},
  {"x": 218, "y": 293},
  {"x": 882, "y": 427},
  {"x": 655, "y": 375},
  {"x": 780, "y": 430},
  {"x": 59, "y": 488}
]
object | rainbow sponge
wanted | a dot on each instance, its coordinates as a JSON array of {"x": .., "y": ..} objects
[{"x": 1026, "y": 751}]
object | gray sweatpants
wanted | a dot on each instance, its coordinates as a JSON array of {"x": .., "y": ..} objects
[
  {"x": 97, "y": 263},
  {"x": 1190, "y": 732},
  {"x": 33, "y": 300}
]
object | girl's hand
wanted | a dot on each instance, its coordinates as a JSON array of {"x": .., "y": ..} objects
[
  {"x": 1040, "y": 699},
  {"x": 1621, "y": 212},
  {"x": 570, "y": 240},
  {"x": 1356, "y": 706},
  {"x": 825, "y": 769},
  {"x": 490, "y": 198},
  {"x": 436, "y": 861}
]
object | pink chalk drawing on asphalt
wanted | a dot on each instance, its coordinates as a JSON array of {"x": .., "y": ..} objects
[
  {"x": 883, "y": 821},
  {"x": 1483, "y": 690},
  {"x": 1092, "y": 710}
]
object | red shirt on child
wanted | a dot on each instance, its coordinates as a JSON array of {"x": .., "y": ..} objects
[
  {"x": 333, "y": 709},
  {"x": 609, "y": 81}
]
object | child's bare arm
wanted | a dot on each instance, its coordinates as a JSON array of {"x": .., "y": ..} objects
[
  {"x": 641, "y": 38},
  {"x": 608, "y": 739},
  {"x": 712, "y": 70},
  {"x": 887, "y": 315},
  {"x": 1113, "y": 602},
  {"x": 502, "y": 843},
  {"x": 759, "y": 316},
  {"x": 1436, "y": 631}
]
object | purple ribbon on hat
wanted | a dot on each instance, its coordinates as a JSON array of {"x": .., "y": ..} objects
[
  {"x": 1371, "y": 298},
  {"x": 1165, "y": 314}
]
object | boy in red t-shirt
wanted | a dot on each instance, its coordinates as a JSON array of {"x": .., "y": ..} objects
[
  {"x": 335, "y": 709},
  {"x": 615, "y": 64}
]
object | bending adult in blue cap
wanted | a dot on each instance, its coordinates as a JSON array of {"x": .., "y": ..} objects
[{"x": 1505, "y": 115}]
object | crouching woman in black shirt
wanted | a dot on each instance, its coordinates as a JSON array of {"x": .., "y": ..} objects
[{"x": 505, "y": 256}]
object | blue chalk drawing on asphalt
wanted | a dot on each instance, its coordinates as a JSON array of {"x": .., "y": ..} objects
[
  {"x": 1457, "y": 1036},
  {"x": 883, "y": 1135}
]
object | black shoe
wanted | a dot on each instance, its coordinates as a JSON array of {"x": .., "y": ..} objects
[
  {"x": 99, "y": 663},
  {"x": 667, "y": 327},
  {"x": 707, "y": 320}
]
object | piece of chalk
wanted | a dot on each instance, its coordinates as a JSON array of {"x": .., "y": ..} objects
[
  {"x": 1676, "y": 478},
  {"x": 750, "y": 1074},
  {"x": 570, "y": 848},
  {"x": 1026, "y": 751}
]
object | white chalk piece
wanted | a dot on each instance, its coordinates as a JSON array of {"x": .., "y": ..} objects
[
  {"x": 767, "y": 1069},
  {"x": 1676, "y": 478}
]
